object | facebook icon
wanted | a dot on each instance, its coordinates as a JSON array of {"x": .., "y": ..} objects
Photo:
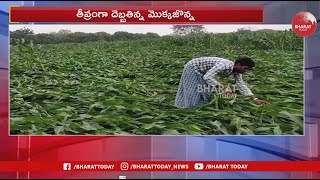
[{"x": 67, "y": 166}]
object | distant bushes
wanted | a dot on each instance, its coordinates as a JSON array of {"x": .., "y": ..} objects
[
  {"x": 263, "y": 40},
  {"x": 280, "y": 40},
  {"x": 65, "y": 36}
]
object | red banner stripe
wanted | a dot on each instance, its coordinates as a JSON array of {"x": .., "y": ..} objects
[{"x": 167, "y": 166}]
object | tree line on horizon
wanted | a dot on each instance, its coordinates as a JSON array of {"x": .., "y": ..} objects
[{"x": 67, "y": 36}]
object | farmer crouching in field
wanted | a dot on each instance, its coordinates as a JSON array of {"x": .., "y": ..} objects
[{"x": 201, "y": 72}]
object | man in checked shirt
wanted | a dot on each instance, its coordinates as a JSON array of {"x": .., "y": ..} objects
[{"x": 202, "y": 72}]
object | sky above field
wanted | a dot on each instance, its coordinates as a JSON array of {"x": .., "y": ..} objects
[{"x": 159, "y": 29}]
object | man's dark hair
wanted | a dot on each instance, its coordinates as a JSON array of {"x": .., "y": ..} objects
[{"x": 245, "y": 61}]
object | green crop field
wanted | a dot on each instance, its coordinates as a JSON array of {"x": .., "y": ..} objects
[{"x": 129, "y": 87}]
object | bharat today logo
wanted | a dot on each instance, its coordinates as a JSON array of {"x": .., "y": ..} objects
[{"x": 304, "y": 24}]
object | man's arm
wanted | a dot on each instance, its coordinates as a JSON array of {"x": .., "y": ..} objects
[
  {"x": 209, "y": 77},
  {"x": 245, "y": 90},
  {"x": 242, "y": 86}
]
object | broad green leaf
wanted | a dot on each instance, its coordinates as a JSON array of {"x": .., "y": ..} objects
[
  {"x": 246, "y": 131},
  {"x": 291, "y": 117},
  {"x": 171, "y": 132},
  {"x": 85, "y": 116},
  {"x": 219, "y": 126},
  {"x": 34, "y": 111},
  {"x": 17, "y": 119},
  {"x": 145, "y": 117},
  {"x": 58, "y": 129},
  {"x": 96, "y": 105},
  {"x": 195, "y": 128},
  {"x": 34, "y": 128},
  {"x": 277, "y": 130},
  {"x": 87, "y": 126},
  {"x": 261, "y": 129},
  {"x": 68, "y": 129},
  {"x": 149, "y": 126}
]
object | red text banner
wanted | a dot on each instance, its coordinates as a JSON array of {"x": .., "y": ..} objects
[{"x": 136, "y": 15}]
